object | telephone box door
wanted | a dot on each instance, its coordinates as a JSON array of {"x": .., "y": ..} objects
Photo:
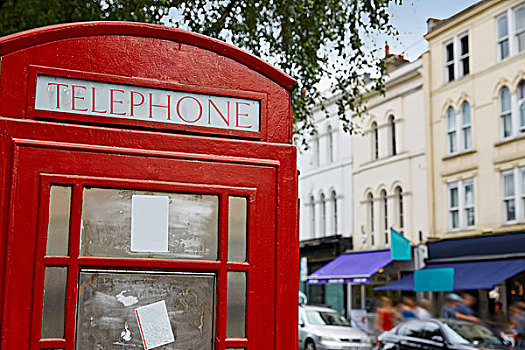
[{"x": 118, "y": 248}]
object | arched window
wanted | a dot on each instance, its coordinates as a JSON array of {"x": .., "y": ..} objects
[
  {"x": 452, "y": 134},
  {"x": 371, "y": 216},
  {"x": 312, "y": 215},
  {"x": 330, "y": 144},
  {"x": 400, "y": 209},
  {"x": 521, "y": 105},
  {"x": 334, "y": 203},
  {"x": 375, "y": 141},
  {"x": 466, "y": 126},
  {"x": 384, "y": 202},
  {"x": 317, "y": 152},
  {"x": 393, "y": 142},
  {"x": 505, "y": 112},
  {"x": 323, "y": 214}
]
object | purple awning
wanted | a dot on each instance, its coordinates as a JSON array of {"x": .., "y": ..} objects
[{"x": 351, "y": 268}]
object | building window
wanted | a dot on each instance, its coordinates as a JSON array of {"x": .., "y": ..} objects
[
  {"x": 505, "y": 113},
  {"x": 312, "y": 215},
  {"x": 461, "y": 204},
  {"x": 457, "y": 58},
  {"x": 393, "y": 135},
  {"x": 459, "y": 130},
  {"x": 334, "y": 201},
  {"x": 317, "y": 151},
  {"x": 521, "y": 106},
  {"x": 510, "y": 28},
  {"x": 513, "y": 195},
  {"x": 330, "y": 144},
  {"x": 384, "y": 200},
  {"x": 400, "y": 209},
  {"x": 323, "y": 214},
  {"x": 375, "y": 141},
  {"x": 371, "y": 216}
]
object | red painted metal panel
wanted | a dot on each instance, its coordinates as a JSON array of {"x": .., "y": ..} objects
[{"x": 40, "y": 148}]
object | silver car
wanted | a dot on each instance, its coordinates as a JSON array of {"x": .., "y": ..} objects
[{"x": 321, "y": 328}]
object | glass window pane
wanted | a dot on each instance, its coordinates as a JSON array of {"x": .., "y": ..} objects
[
  {"x": 453, "y": 197},
  {"x": 504, "y": 100},
  {"x": 507, "y": 125},
  {"x": 465, "y": 113},
  {"x": 465, "y": 66},
  {"x": 470, "y": 217},
  {"x": 450, "y": 72},
  {"x": 521, "y": 41},
  {"x": 236, "y": 308},
  {"x": 510, "y": 210},
  {"x": 107, "y": 303},
  {"x": 469, "y": 195},
  {"x": 58, "y": 226},
  {"x": 455, "y": 218},
  {"x": 520, "y": 18},
  {"x": 54, "y": 302},
  {"x": 106, "y": 224},
  {"x": 508, "y": 185},
  {"x": 451, "y": 119},
  {"x": 504, "y": 49},
  {"x": 452, "y": 147},
  {"x": 467, "y": 139},
  {"x": 237, "y": 221},
  {"x": 450, "y": 52},
  {"x": 502, "y": 27},
  {"x": 464, "y": 45}
]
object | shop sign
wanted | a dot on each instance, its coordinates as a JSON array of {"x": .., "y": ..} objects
[{"x": 102, "y": 99}]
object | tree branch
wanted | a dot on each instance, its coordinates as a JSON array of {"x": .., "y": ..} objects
[{"x": 223, "y": 17}]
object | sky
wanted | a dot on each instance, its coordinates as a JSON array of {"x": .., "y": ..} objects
[{"x": 410, "y": 20}]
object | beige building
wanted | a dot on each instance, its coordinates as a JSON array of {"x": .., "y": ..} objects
[
  {"x": 389, "y": 162},
  {"x": 474, "y": 73}
]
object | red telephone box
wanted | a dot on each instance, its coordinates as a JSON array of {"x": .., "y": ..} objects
[{"x": 147, "y": 192}]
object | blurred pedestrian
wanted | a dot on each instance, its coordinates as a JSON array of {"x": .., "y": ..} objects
[
  {"x": 517, "y": 312},
  {"x": 497, "y": 319},
  {"x": 408, "y": 309},
  {"x": 385, "y": 315},
  {"x": 449, "y": 310},
  {"x": 423, "y": 311},
  {"x": 464, "y": 309}
]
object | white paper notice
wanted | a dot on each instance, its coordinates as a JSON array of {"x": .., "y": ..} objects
[
  {"x": 154, "y": 325},
  {"x": 149, "y": 223}
]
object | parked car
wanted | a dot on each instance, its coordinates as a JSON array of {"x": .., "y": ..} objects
[
  {"x": 321, "y": 328},
  {"x": 440, "y": 334}
]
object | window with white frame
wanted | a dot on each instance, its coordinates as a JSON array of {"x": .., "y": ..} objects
[
  {"x": 457, "y": 62},
  {"x": 505, "y": 113},
  {"x": 330, "y": 144},
  {"x": 512, "y": 112},
  {"x": 334, "y": 205},
  {"x": 461, "y": 205},
  {"x": 513, "y": 183},
  {"x": 323, "y": 215},
  {"x": 312, "y": 215},
  {"x": 370, "y": 203},
  {"x": 459, "y": 130},
  {"x": 384, "y": 201},
  {"x": 510, "y": 30},
  {"x": 400, "y": 209},
  {"x": 393, "y": 142},
  {"x": 375, "y": 141}
]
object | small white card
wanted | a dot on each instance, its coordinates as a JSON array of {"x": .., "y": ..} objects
[
  {"x": 154, "y": 325},
  {"x": 149, "y": 223}
]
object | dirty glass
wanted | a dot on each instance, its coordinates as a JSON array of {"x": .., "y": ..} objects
[
  {"x": 107, "y": 301},
  {"x": 54, "y": 302},
  {"x": 58, "y": 225},
  {"x": 237, "y": 220},
  {"x": 236, "y": 305},
  {"x": 106, "y": 224}
]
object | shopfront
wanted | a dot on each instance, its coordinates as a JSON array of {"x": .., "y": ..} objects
[{"x": 148, "y": 192}]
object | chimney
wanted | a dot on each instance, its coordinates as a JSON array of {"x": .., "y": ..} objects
[{"x": 431, "y": 23}]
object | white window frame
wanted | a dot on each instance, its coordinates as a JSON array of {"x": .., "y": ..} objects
[
  {"x": 323, "y": 215},
  {"x": 516, "y": 129},
  {"x": 375, "y": 141},
  {"x": 459, "y": 130},
  {"x": 335, "y": 213},
  {"x": 400, "y": 209},
  {"x": 457, "y": 57},
  {"x": 312, "y": 213},
  {"x": 518, "y": 197},
  {"x": 462, "y": 207},
  {"x": 384, "y": 209},
  {"x": 521, "y": 102},
  {"x": 512, "y": 33},
  {"x": 330, "y": 135},
  {"x": 370, "y": 215}
]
